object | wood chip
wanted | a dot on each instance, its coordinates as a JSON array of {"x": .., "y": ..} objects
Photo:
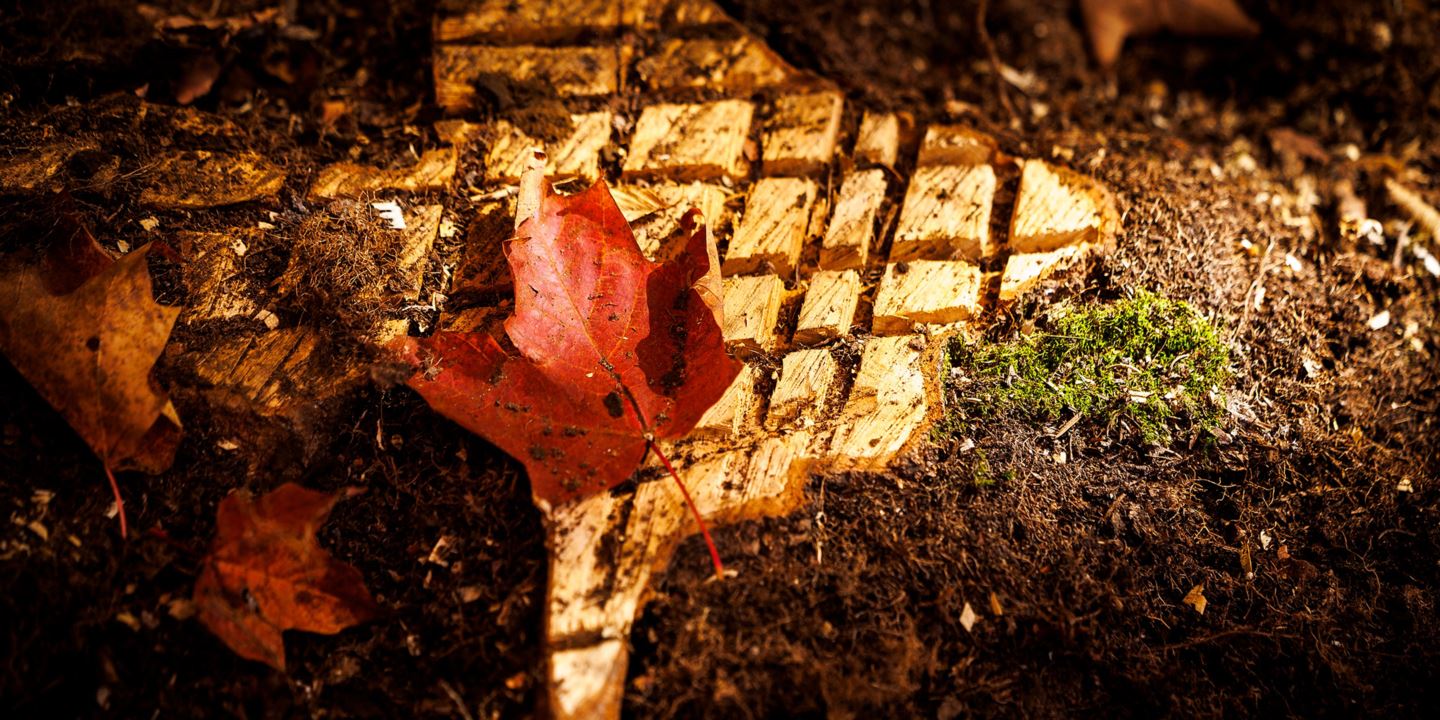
[
  {"x": 734, "y": 411},
  {"x": 655, "y": 211},
  {"x": 197, "y": 179},
  {"x": 852, "y": 229},
  {"x": 946, "y": 214},
  {"x": 752, "y": 308},
  {"x": 955, "y": 145},
  {"x": 808, "y": 378},
  {"x": 772, "y": 232},
  {"x": 800, "y": 135},
  {"x": 926, "y": 291},
  {"x": 829, "y": 307},
  {"x": 563, "y": 71},
  {"x": 887, "y": 405},
  {"x": 1056, "y": 207},
  {"x": 577, "y": 155},
  {"x": 691, "y": 142},
  {"x": 434, "y": 171},
  {"x": 878, "y": 141},
  {"x": 736, "y": 66}
]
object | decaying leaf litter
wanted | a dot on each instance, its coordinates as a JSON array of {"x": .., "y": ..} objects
[{"x": 1311, "y": 468}]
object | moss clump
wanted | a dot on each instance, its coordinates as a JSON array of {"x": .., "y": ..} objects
[{"x": 1153, "y": 361}]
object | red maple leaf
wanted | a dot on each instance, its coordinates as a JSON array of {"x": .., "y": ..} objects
[
  {"x": 266, "y": 573},
  {"x": 611, "y": 351}
]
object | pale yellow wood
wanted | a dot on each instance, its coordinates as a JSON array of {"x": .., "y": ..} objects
[
  {"x": 852, "y": 229},
  {"x": 829, "y": 307},
  {"x": 655, "y": 211},
  {"x": 955, "y": 145},
  {"x": 198, "y": 179},
  {"x": 735, "y": 66},
  {"x": 433, "y": 171},
  {"x": 886, "y": 408},
  {"x": 801, "y": 133},
  {"x": 691, "y": 142},
  {"x": 878, "y": 141},
  {"x": 1024, "y": 270},
  {"x": 773, "y": 229},
  {"x": 752, "y": 307},
  {"x": 946, "y": 214},
  {"x": 808, "y": 380},
  {"x": 563, "y": 71},
  {"x": 925, "y": 292},
  {"x": 605, "y": 548},
  {"x": 213, "y": 274},
  {"x": 577, "y": 155},
  {"x": 735, "y": 411},
  {"x": 1056, "y": 207}
]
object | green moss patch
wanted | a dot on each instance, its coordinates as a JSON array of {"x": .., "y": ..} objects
[{"x": 1154, "y": 362}]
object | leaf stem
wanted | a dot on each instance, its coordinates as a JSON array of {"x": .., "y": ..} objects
[
  {"x": 119, "y": 503},
  {"x": 709, "y": 543}
]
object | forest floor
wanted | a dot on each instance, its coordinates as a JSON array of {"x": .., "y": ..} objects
[{"x": 1310, "y": 518}]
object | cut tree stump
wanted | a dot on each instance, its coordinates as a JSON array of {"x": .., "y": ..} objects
[
  {"x": 198, "y": 179},
  {"x": 814, "y": 409}
]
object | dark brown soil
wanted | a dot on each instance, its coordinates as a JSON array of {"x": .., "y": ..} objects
[{"x": 1321, "y": 575}]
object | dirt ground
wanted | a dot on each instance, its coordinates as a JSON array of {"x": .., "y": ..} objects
[{"x": 1311, "y": 521}]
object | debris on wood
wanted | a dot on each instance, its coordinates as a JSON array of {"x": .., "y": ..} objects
[
  {"x": 752, "y": 309},
  {"x": 578, "y": 155},
  {"x": 565, "y": 71},
  {"x": 956, "y": 145},
  {"x": 738, "y": 66},
  {"x": 808, "y": 379}
]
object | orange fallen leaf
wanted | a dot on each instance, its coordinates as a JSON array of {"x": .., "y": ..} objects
[
  {"x": 1109, "y": 22},
  {"x": 266, "y": 573},
  {"x": 85, "y": 330}
]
